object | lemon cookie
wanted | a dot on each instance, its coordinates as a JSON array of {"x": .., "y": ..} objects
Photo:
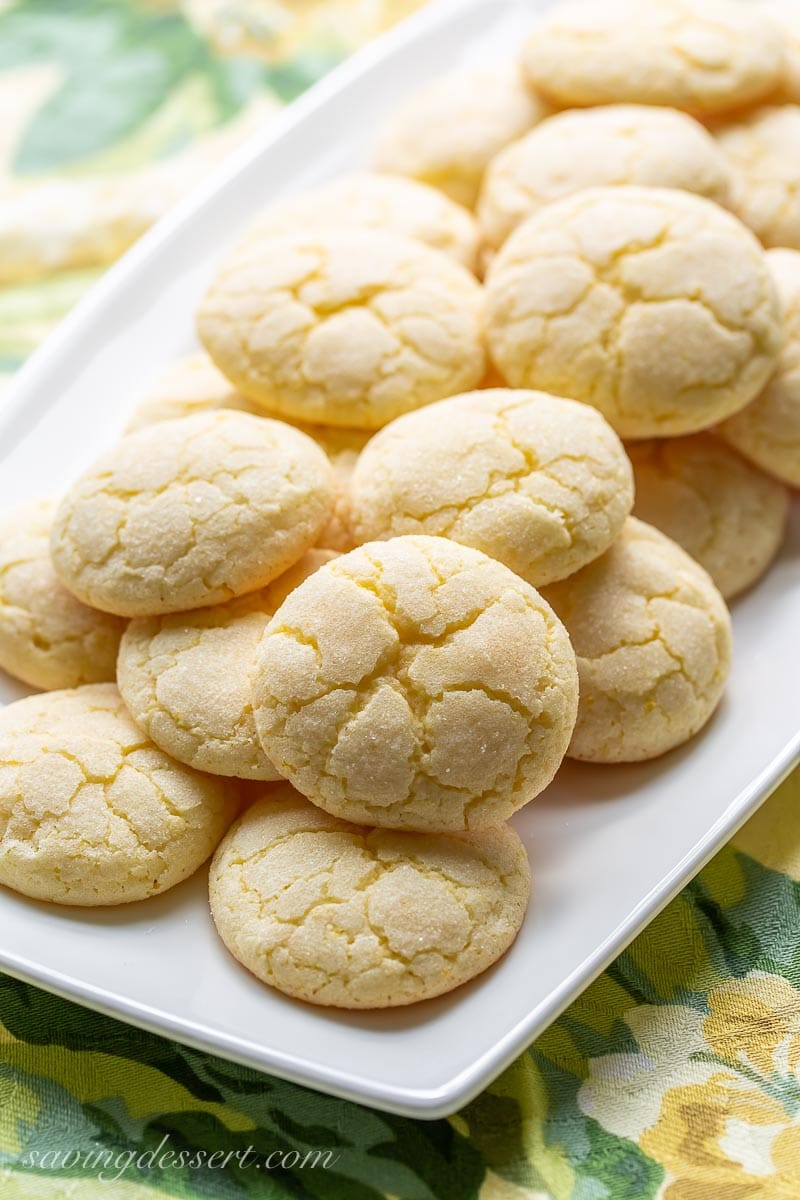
[
  {"x": 416, "y": 684},
  {"x": 375, "y": 201},
  {"x": 785, "y": 15},
  {"x": 539, "y": 483},
  {"x": 768, "y": 431},
  {"x": 763, "y": 150},
  {"x": 190, "y": 385},
  {"x": 345, "y": 327},
  {"x": 727, "y": 514},
  {"x": 90, "y": 811},
  {"x": 705, "y": 56},
  {"x": 48, "y": 638},
  {"x": 364, "y": 918},
  {"x": 191, "y": 512},
  {"x": 653, "y": 305},
  {"x": 194, "y": 385},
  {"x": 448, "y": 132},
  {"x": 653, "y": 640},
  {"x": 612, "y": 146},
  {"x": 186, "y": 677}
]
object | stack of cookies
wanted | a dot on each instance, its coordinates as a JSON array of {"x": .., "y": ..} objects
[{"x": 475, "y": 451}]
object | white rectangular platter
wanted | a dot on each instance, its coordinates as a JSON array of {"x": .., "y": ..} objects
[{"x": 608, "y": 846}]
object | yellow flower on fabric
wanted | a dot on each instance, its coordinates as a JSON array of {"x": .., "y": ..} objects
[{"x": 714, "y": 1097}]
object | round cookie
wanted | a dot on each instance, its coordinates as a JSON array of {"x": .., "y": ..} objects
[
  {"x": 363, "y": 918},
  {"x": 601, "y": 147},
  {"x": 704, "y": 56},
  {"x": 48, "y": 638},
  {"x": 185, "y": 677},
  {"x": 540, "y": 483},
  {"x": 653, "y": 305},
  {"x": 729, "y": 516},
  {"x": 416, "y": 684},
  {"x": 191, "y": 512},
  {"x": 785, "y": 15},
  {"x": 345, "y": 327},
  {"x": 189, "y": 385},
  {"x": 763, "y": 149},
  {"x": 374, "y": 201},
  {"x": 449, "y": 131},
  {"x": 91, "y": 813},
  {"x": 653, "y": 640},
  {"x": 767, "y": 432},
  {"x": 193, "y": 385}
]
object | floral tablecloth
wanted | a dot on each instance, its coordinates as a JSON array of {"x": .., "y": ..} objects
[{"x": 677, "y": 1074}]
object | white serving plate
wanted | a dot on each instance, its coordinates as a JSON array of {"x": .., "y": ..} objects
[{"x": 609, "y": 846}]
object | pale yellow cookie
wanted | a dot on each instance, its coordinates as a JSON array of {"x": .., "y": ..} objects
[
  {"x": 91, "y": 812},
  {"x": 704, "y": 56},
  {"x": 345, "y": 327},
  {"x": 653, "y": 640},
  {"x": 727, "y": 514},
  {"x": 191, "y": 512},
  {"x": 188, "y": 386},
  {"x": 48, "y": 638},
  {"x": 364, "y": 918},
  {"x": 416, "y": 684},
  {"x": 785, "y": 14},
  {"x": 599, "y": 147},
  {"x": 767, "y": 432},
  {"x": 763, "y": 149},
  {"x": 449, "y": 131},
  {"x": 374, "y": 201},
  {"x": 653, "y": 305},
  {"x": 186, "y": 677},
  {"x": 540, "y": 483}
]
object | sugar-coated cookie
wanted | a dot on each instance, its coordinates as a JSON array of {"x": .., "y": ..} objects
[
  {"x": 656, "y": 306},
  {"x": 191, "y": 512},
  {"x": 193, "y": 384},
  {"x": 786, "y": 16},
  {"x": 763, "y": 149},
  {"x": 363, "y": 918},
  {"x": 370, "y": 200},
  {"x": 540, "y": 483},
  {"x": 416, "y": 684},
  {"x": 767, "y": 432},
  {"x": 186, "y": 677},
  {"x": 704, "y": 56},
  {"x": 345, "y": 327},
  {"x": 189, "y": 385},
  {"x": 653, "y": 640},
  {"x": 48, "y": 638},
  {"x": 91, "y": 812},
  {"x": 448, "y": 132},
  {"x": 599, "y": 147},
  {"x": 729, "y": 516}
]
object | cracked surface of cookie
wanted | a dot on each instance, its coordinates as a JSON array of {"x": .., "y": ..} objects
[
  {"x": 339, "y": 915},
  {"x": 416, "y": 684},
  {"x": 191, "y": 512},
  {"x": 652, "y": 637},
  {"x": 724, "y": 512},
  {"x": 194, "y": 385},
  {"x": 704, "y": 56},
  {"x": 370, "y": 200},
  {"x": 345, "y": 327},
  {"x": 763, "y": 149},
  {"x": 602, "y": 147},
  {"x": 767, "y": 432},
  {"x": 186, "y": 677},
  {"x": 48, "y": 638},
  {"x": 656, "y": 306},
  {"x": 91, "y": 813},
  {"x": 448, "y": 132},
  {"x": 540, "y": 483}
]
